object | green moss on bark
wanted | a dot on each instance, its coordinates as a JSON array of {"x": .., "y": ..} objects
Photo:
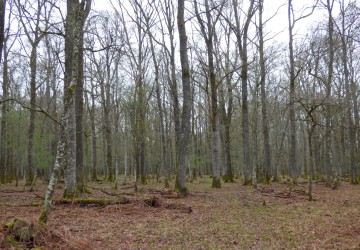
[
  {"x": 216, "y": 183},
  {"x": 248, "y": 182},
  {"x": 179, "y": 189}
]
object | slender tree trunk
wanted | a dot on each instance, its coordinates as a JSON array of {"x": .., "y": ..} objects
[
  {"x": 185, "y": 122},
  {"x": 93, "y": 134},
  {"x": 349, "y": 111},
  {"x": 4, "y": 89},
  {"x": 255, "y": 131},
  {"x": 58, "y": 165},
  {"x": 293, "y": 144},
  {"x": 242, "y": 40},
  {"x": 311, "y": 160},
  {"x": 2, "y": 26},
  {"x": 160, "y": 108},
  {"x": 207, "y": 30},
  {"x": 265, "y": 122},
  {"x": 328, "y": 153},
  {"x": 4, "y": 123},
  {"x": 227, "y": 114},
  {"x": 31, "y": 133}
]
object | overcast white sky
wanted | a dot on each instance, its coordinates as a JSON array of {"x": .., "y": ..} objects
[{"x": 279, "y": 23}]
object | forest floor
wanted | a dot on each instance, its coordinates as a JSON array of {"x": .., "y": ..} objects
[{"x": 233, "y": 217}]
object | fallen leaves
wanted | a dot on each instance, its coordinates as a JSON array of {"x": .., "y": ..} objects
[{"x": 231, "y": 217}]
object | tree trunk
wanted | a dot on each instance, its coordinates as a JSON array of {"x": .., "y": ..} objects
[
  {"x": 2, "y": 26},
  {"x": 79, "y": 109},
  {"x": 265, "y": 122},
  {"x": 31, "y": 132},
  {"x": 74, "y": 28},
  {"x": 75, "y": 20},
  {"x": 4, "y": 124},
  {"x": 93, "y": 133},
  {"x": 349, "y": 111},
  {"x": 293, "y": 143},
  {"x": 329, "y": 82},
  {"x": 207, "y": 29},
  {"x": 185, "y": 122},
  {"x": 310, "y": 131},
  {"x": 242, "y": 40},
  {"x": 4, "y": 93}
]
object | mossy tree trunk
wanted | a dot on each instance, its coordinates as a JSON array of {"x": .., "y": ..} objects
[
  {"x": 77, "y": 13},
  {"x": 76, "y": 16}
]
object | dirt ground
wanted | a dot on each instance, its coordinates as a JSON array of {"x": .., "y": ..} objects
[{"x": 233, "y": 217}]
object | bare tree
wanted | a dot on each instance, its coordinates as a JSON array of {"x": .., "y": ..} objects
[
  {"x": 32, "y": 29},
  {"x": 345, "y": 37},
  {"x": 208, "y": 29},
  {"x": 242, "y": 42},
  {"x": 293, "y": 165},
  {"x": 76, "y": 16},
  {"x": 186, "y": 111},
  {"x": 264, "y": 112},
  {"x": 2, "y": 25}
]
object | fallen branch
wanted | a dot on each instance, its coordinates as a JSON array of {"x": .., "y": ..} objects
[
  {"x": 93, "y": 201},
  {"x": 32, "y": 204}
]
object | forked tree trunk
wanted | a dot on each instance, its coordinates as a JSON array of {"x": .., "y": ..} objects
[
  {"x": 242, "y": 41},
  {"x": 207, "y": 28}
]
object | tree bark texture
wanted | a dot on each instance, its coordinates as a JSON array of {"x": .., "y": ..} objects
[
  {"x": 242, "y": 40},
  {"x": 77, "y": 13},
  {"x": 293, "y": 143},
  {"x": 265, "y": 122},
  {"x": 185, "y": 121}
]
